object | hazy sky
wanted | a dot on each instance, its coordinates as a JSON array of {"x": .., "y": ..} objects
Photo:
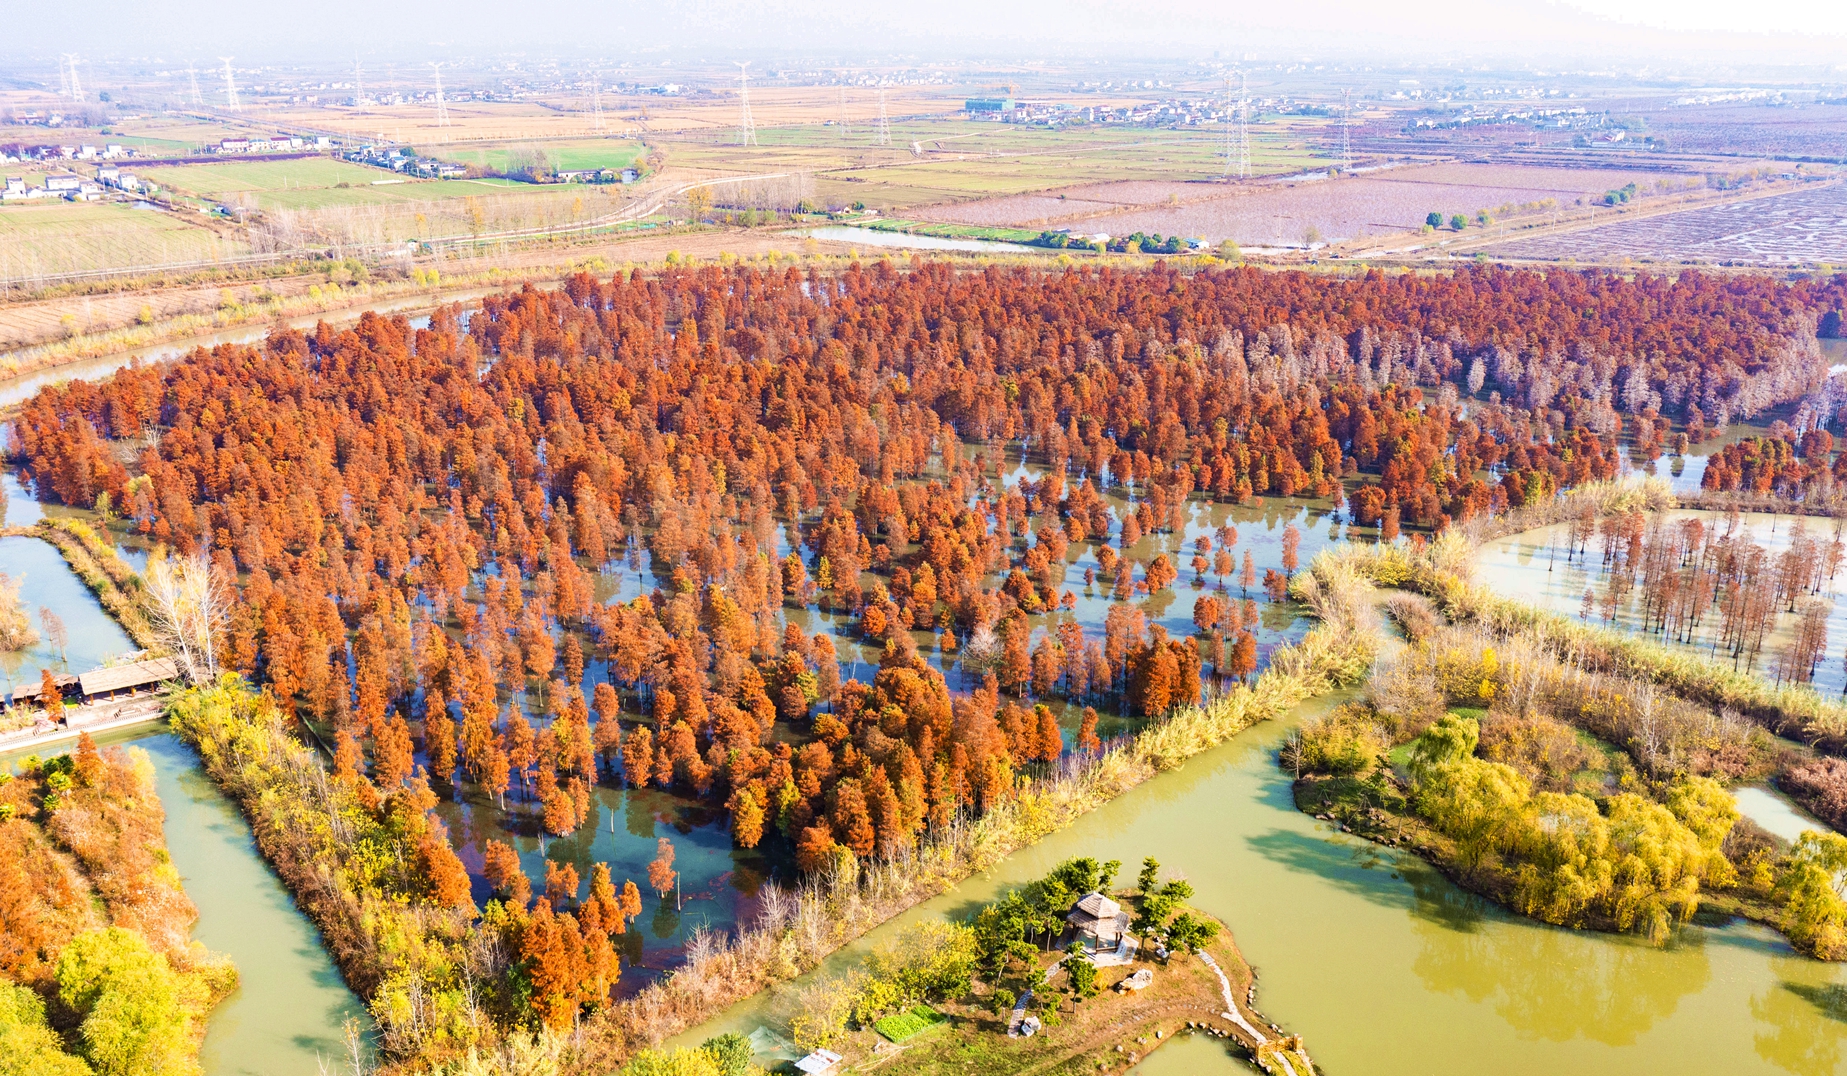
[{"x": 1798, "y": 31}]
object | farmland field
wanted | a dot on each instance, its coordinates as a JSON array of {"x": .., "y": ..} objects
[
  {"x": 66, "y": 237},
  {"x": 213, "y": 180},
  {"x": 1281, "y": 213},
  {"x": 1801, "y": 226},
  {"x": 959, "y": 161},
  {"x": 564, "y": 156}
]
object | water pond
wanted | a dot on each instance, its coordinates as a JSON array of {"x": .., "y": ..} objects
[{"x": 1532, "y": 565}]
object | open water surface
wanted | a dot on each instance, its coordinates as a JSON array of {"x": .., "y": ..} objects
[{"x": 1388, "y": 969}]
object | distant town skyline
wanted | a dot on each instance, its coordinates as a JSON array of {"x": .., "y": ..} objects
[{"x": 1559, "y": 31}]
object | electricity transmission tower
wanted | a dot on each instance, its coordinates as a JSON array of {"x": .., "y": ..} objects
[
  {"x": 1346, "y": 122},
  {"x": 192, "y": 77},
  {"x": 64, "y": 77},
  {"x": 442, "y": 107},
  {"x": 843, "y": 110},
  {"x": 884, "y": 135},
  {"x": 747, "y": 127},
  {"x": 1231, "y": 136},
  {"x": 73, "y": 87},
  {"x": 596, "y": 97},
  {"x": 230, "y": 87},
  {"x": 1244, "y": 126},
  {"x": 1237, "y": 132},
  {"x": 359, "y": 87}
]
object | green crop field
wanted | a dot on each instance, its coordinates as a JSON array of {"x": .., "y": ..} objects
[
  {"x": 563, "y": 156},
  {"x": 63, "y": 237},
  {"x": 324, "y": 183},
  {"x": 908, "y": 1025},
  {"x": 214, "y": 180}
]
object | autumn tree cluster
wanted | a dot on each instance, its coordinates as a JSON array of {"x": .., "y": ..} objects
[
  {"x": 416, "y": 517},
  {"x": 94, "y": 928}
]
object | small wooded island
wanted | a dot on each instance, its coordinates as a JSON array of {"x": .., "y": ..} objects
[
  {"x": 1067, "y": 975},
  {"x": 1566, "y": 772}
]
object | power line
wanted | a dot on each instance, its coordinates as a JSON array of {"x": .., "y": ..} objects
[
  {"x": 1230, "y": 150},
  {"x": 1241, "y": 149},
  {"x": 747, "y": 127}
]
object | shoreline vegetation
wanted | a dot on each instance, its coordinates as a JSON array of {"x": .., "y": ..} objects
[
  {"x": 121, "y": 591},
  {"x": 1016, "y": 988},
  {"x": 98, "y": 976},
  {"x": 360, "y": 514},
  {"x": 1572, "y": 773},
  {"x": 397, "y": 953}
]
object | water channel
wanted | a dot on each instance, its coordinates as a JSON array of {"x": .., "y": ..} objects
[
  {"x": 290, "y": 1006},
  {"x": 875, "y": 237},
  {"x": 1387, "y": 968},
  {"x": 17, "y": 390}
]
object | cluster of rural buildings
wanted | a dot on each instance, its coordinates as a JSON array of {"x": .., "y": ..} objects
[
  {"x": 276, "y": 144},
  {"x": 405, "y": 162},
  {"x": 77, "y": 188},
  {"x": 13, "y": 152}
]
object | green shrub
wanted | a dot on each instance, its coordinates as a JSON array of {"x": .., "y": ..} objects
[
  {"x": 136, "y": 1013},
  {"x": 28, "y": 1046}
]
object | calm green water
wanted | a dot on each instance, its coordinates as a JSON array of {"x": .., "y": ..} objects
[
  {"x": 290, "y": 1005},
  {"x": 288, "y": 1011},
  {"x": 1386, "y": 968}
]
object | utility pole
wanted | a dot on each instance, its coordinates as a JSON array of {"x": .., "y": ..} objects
[
  {"x": 230, "y": 87},
  {"x": 747, "y": 127},
  {"x": 442, "y": 107}
]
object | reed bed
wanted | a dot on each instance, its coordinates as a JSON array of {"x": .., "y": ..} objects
[{"x": 1440, "y": 571}]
